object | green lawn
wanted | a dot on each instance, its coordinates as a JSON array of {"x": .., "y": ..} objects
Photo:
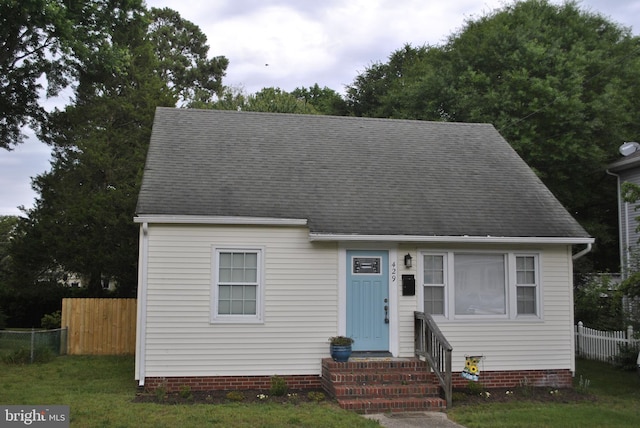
[
  {"x": 100, "y": 390},
  {"x": 617, "y": 404}
]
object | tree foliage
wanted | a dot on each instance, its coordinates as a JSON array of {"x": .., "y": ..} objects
[
  {"x": 312, "y": 100},
  {"x": 598, "y": 304},
  {"x": 7, "y": 229},
  {"x": 560, "y": 84},
  {"x": 53, "y": 40},
  {"x": 182, "y": 52},
  {"x": 82, "y": 221},
  {"x": 324, "y": 100}
]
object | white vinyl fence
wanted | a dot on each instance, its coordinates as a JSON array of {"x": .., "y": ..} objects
[{"x": 601, "y": 345}]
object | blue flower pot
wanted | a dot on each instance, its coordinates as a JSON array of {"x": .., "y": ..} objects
[{"x": 340, "y": 353}]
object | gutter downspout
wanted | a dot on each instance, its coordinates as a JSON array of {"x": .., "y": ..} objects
[
  {"x": 622, "y": 223},
  {"x": 141, "y": 327},
  {"x": 576, "y": 256}
]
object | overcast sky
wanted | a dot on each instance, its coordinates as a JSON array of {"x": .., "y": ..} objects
[{"x": 297, "y": 43}]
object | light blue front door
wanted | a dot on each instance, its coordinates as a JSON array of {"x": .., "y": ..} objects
[{"x": 368, "y": 300}]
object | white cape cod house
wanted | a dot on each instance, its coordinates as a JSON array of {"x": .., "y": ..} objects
[{"x": 262, "y": 235}]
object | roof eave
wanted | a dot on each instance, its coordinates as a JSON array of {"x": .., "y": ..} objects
[
  {"x": 453, "y": 239},
  {"x": 220, "y": 220}
]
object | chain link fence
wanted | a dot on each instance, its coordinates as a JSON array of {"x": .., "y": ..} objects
[{"x": 32, "y": 346}]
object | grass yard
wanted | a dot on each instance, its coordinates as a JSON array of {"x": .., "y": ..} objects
[
  {"x": 100, "y": 392},
  {"x": 616, "y": 404}
]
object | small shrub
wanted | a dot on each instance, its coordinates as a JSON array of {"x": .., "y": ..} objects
[
  {"x": 161, "y": 393},
  {"x": 51, "y": 321},
  {"x": 235, "y": 396},
  {"x": 583, "y": 385},
  {"x": 185, "y": 392},
  {"x": 474, "y": 388},
  {"x": 341, "y": 340},
  {"x": 526, "y": 388},
  {"x": 627, "y": 357},
  {"x": 316, "y": 396},
  {"x": 278, "y": 386}
]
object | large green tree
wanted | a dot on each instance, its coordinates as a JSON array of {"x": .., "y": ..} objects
[
  {"x": 43, "y": 46},
  {"x": 560, "y": 84},
  {"x": 183, "y": 58},
  {"x": 324, "y": 100},
  {"x": 312, "y": 100},
  {"x": 82, "y": 221}
]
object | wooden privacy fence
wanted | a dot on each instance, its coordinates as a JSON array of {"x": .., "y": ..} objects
[
  {"x": 601, "y": 345},
  {"x": 100, "y": 326}
]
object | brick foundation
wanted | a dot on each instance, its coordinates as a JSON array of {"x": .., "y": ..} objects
[
  {"x": 510, "y": 379},
  {"x": 229, "y": 383},
  {"x": 489, "y": 379}
]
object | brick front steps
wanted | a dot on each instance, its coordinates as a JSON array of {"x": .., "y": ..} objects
[{"x": 378, "y": 385}]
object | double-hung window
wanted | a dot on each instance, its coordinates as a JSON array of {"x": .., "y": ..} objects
[
  {"x": 465, "y": 285},
  {"x": 433, "y": 274},
  {"x": 527, "y": 284},
  {"x": 237, "y": 285}
]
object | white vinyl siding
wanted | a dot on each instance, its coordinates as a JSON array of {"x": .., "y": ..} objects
[
  {"x": 300, "y": 303},
  {"x": 301, "y": 307}
]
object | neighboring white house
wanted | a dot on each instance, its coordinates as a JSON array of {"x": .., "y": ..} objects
[
  {"x": 262, "y": 235},
  {"x": 627, "y": 170}
]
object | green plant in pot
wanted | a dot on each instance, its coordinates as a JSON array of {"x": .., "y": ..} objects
[{"x": 340, "y": 348}]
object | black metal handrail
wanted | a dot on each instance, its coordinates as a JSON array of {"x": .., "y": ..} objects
[{"x": 431, "y": 344}]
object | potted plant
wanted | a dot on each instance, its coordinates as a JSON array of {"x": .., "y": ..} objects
[{"x": 340, "y": 348}]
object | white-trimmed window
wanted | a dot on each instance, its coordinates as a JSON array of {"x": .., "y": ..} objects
[
  {"x": 433, "y": 279},
  {"x": 527, "y": 284},
  {"x": 483, "y": 284},
  {"x": 237, "y": 285}
]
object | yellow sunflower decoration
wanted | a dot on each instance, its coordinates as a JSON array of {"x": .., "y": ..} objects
[{"x": 471, "y": 370}]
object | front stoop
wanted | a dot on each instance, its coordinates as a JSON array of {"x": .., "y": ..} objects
[{"x": 382, "y": 385}]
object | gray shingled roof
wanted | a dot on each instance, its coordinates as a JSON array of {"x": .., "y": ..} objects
[{"x": 347, "y": 175}]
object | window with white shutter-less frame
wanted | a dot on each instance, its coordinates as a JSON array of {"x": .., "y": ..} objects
[{"x": 237, "y": 285}]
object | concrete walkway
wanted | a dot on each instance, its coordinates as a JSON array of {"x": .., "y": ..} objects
[{"x": 416, "y": 419}]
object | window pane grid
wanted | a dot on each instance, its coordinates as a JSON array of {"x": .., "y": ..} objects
[
  {"x": 434, "y": 300},
  {"x": 525, "y": 270},
  {"x": 433, "y": 283},
  {"x": 526, "y": 300},
  {"x": 433, "y": 269},
  {"x": 237, "y": 283}
]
